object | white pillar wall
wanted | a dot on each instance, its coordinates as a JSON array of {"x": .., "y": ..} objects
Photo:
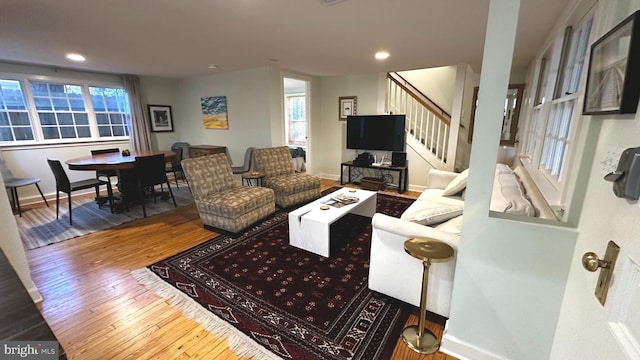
[
  {"x": 12, "y": 245},
  {"x": 510, "y": 274}
]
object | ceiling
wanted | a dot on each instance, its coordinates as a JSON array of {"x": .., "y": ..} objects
[{"x": 177, "y": 39}]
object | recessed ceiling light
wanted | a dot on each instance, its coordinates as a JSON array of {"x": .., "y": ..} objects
[
  {"x": 381, "y": 55},
  {"x": 75, "y": 57},
  {"x": 212, "y": 66}
]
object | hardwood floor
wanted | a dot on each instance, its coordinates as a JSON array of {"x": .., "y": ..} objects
[{"x": 98, "y": 310}]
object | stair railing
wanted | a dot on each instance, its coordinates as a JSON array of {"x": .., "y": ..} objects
[{"x": 427, "y": 124}]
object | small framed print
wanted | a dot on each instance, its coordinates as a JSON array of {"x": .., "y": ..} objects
[
  {"x": 613, "y": 82},
  {"x": 347, "y": 105},
  {"x": 160, "y": 118}
]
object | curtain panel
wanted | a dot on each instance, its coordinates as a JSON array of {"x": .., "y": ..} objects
[{"x": 138, "y": 130}]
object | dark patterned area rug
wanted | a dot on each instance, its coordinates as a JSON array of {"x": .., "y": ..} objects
[{"x": 273, "y": 300}]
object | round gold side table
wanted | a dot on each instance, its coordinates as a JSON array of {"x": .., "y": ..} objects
[
  {"x": 419, "y": 338},
  {"x": 258, "y": 176}
]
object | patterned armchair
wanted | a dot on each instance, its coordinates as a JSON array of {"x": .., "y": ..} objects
[
  {"x": 221, "y": 201},
  {"x": 290, "y": 188}
]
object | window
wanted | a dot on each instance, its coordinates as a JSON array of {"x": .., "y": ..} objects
[
  {"x": 112, "y": 111},
  {"x": 563, "y": 109},
  {"x": 551, "y": 130},
  {"x": 61, "y": 111},
  {"x": 53, "y": 111},
  {"x": 296, "y": 119},
  {"x": 15, "y": 123}
]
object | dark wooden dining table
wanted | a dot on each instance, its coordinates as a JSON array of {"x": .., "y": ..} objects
[
  {"x": 113, "y": 161},
  {"x": 124, "y": 165}
]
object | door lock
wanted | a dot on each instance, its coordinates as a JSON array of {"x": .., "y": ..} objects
[{"x": 591, "y": 262}]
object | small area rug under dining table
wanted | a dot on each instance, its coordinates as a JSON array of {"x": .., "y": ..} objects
[{"x": 272, "y": 300}]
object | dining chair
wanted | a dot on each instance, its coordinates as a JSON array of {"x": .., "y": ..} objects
[
  {"x": 175, "y": 166},
  {"x": 246, "y": 165},
  {"x": 63, "y": 184},
  {"x": 105, "y": 173},
  {"x": 150, "y": 171},
  {"x": 12, "y": 183}
]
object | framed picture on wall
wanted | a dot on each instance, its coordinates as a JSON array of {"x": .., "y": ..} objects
[
  {"x": 613, "y": 82},
  {"x": 160, "y": 118},
  {"x": 347, "y": 105}
]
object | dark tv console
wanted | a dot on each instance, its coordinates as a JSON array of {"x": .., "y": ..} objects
[{"x": 403, "y": 171}]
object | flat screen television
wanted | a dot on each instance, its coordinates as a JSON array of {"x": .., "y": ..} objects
[{"x": 376, "y": 132}]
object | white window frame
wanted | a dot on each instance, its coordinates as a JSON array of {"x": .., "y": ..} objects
[
  {"x": 287, "y": 99},
  {"x": 25, "y": 80},
  {"x": 544, "y": 126}
]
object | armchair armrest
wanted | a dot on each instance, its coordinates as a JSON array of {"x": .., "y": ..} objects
[{"x": 439, "y": 179}]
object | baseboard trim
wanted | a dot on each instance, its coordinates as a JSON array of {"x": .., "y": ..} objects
[
  {"x": 35, "y": 294},
  {"x": 459, "y": 349}
]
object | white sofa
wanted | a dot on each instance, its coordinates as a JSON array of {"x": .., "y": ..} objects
[{"x": 437, "y": 214}]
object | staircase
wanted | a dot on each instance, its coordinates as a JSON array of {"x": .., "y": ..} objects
[{"x": 427, "y": 125}]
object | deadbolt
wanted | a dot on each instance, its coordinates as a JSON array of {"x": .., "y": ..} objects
[{"x": 591, "y": 262}]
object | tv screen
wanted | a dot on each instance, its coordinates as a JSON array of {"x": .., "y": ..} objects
[{"x": 376, "y": 132}]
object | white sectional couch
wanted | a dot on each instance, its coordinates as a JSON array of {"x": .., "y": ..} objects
[{"x": 437, "y": 214}]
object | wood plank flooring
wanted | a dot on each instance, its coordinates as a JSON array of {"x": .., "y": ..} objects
[{"x": 98, "y": 310}]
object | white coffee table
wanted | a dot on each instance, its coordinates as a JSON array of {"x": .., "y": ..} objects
[{"x": 309, "y": 225}]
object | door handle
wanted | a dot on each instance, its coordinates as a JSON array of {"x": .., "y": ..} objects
[{"x": 591, "y": 262}]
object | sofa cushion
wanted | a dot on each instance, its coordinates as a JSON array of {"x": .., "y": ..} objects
[
  {"x": 458, "y": 184},
  {"x": 451, "y": 226},
  {"x": 431, "y": 212},
  {"x": 508, "y": 196},
  {"x": 435, "y": 195}
]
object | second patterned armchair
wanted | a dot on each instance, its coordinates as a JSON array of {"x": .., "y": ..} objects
[
  {"x": 221, "y": 201},
  {"x": 290, "y": 188}
]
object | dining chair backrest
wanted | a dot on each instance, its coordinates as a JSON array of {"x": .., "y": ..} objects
[
  {"x": 246, "y": 165},
  {"x": 151, "y": 169},
  {"x": 185, "y": 149},
  {"x": 62, "y": 180},
  {"x": 104, "y": 151},
  {"x": 4, "y": 169},
  {"x": 175, "y": 161}
]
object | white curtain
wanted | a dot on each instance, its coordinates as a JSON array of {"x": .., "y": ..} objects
[{"x": 138, "y": 130}]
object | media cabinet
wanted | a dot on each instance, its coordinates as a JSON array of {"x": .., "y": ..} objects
[{"x": 403, "y": 173}]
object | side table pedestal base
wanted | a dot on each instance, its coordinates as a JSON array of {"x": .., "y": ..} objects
[{"x": 427, "y": 344}]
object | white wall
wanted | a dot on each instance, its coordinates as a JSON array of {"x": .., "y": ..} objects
[
  {"x": 437, "y": 83},
  {"x": 161, "y": 91},
  {"x": 328, "y": 133},
  {"x": 249, "y": 110},
  {"x": 510, "y": 275},
  {"x": 12, "y": 246}
]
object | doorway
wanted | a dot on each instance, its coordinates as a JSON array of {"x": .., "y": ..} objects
[{"x": 296, "y": 119}]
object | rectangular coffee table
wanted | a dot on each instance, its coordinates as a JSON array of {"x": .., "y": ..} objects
[{"x": 309, "y": 225}]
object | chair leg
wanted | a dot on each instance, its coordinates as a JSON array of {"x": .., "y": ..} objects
[
  {"x": 141, "y": 194},
  {"x": 110, "y": 194},
  {"x": 98, "y": 195},
  {"x": 69, "y": 200},
  {"x": 16, "y": 200},
  {"x": 171, "y": 192},
  {"x": 187, "y": 180},
  {"x": 175, "y": 177},
  {"x": 41, "y": 194},
  {"x": 57, "y": 203}
]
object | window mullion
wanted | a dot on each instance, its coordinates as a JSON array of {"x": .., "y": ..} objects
[
  {"x": 88, "y": 104},
  {"x": 33, "y": 113},
  {"x": 542, "y": 126}
]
